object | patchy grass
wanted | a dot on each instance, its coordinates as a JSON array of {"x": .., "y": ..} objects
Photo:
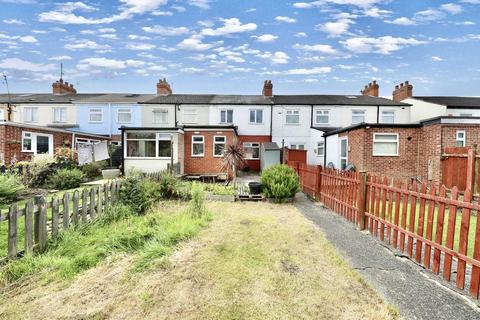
[
  {"x": 255, "y": 261},
  {"x": 151, "y": 236}
]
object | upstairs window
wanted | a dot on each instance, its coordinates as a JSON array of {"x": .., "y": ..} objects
[
  {"x": 124, "y": 115},
  {"x": 385, "y": 144},
  {"x": 461, "y": 138},
  {"x": 160, "y": 116},
  {"x": 30, "y": 114},
  {"x": 256, "y": 116},
  {"x": 466, "y": 115},
  {"x": 189, "y": 115},
  {"x": 95, "y": 115},
  {"x": 59, "y": 114},
  {"x": 219, "y": 144},
  {"x": 226, "y": 116},
  {"x": 322, "y": 117},
  {"x": 292, "y": 117},
  {"x": 320, "y": 148},
  {"x": 297, "y": 146},
  {"x": 358, "y": 116},
  {"x": 388, "y": 116},
  {"x": 198, "y": 146},
  {"x": 252, "y": 150}
]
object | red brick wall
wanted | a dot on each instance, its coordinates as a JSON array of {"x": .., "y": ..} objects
[
  {"x": 254, "y": 165},
  {"x": 208, "y": 163},
  {"x": 13, "y": 151}
]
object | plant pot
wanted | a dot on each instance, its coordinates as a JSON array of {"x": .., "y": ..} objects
[
  {"x": 255, "y": 187},
  {"x": 110, "y": 174}
]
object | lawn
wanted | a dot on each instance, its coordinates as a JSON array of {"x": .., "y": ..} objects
[{"x": 253, "y": 261}]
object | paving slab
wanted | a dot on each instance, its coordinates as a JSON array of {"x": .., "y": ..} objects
[{"x": 412, "y": 289}]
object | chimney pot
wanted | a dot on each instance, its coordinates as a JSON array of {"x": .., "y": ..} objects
[
  {"x": 267, "y": 88},
  {"x": 163, "y": 87},
  {"x": 402, "y": 91}
]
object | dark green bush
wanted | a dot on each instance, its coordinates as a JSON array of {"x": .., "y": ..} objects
[
  {"x": 10, "y": 187},
  {"x": 137, "y": 193},
  {"x": 280, "y": 182},
  {"x": 93, "y": 170},
  {"x": 66, "y": 179}
]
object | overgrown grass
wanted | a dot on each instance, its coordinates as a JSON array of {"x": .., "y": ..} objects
[
  {"x": 150, "y": 237},
  {"x": 218, "y": 189}
]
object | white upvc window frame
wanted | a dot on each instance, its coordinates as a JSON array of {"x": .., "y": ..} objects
[
  {"x": 124, "y": 110},
  {"x": 79, "y": 141},
  {"x": 322, "y": 143},
  {"x": 192, "y": 112},
  {"x": 377, "y": 141},
  {"x": 295, "y": 146},
  {"x": 95, "y": 111},
  {"x": 33, "y": 114},
  {"x": 255, "y": 116},
  {"x": 322, "y": 113},
  {"x": 391, "y": 114},
  {"x": 358, "y": 111},
  {"x": 224, "y": 143},
  {"x": 466, "y": 114},
  {"x": 198, "y": 142},
  {"x": 226, "y": 111},
  {"x": 33, "y": 141},
  {"x": 163, "y": 137},
  {"x": 252, "y": 145},
  {"x": 62, "y": 111},
  {"x": 340, "y": 157},
  {"x": 292, "y": 112},
  {"x": 462, "y": 139},
  {"x": 162, "y": 113}
]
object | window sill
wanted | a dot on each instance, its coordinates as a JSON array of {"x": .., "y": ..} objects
[
  {"x": 385, "y": 155},
  {"x": 292, "y": 124},
  {"x": 198, "y": 156},
  {"x": 147, "y": 158},
  {"x": 97, "y": 122},
  {"x": 256, "y": 124},
  {"x": 252, "y": 158}
]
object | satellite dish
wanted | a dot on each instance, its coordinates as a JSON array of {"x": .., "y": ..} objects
[{"x": 350, "y": 167}]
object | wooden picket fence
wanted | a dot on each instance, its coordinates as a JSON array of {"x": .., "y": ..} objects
[
  {"x": 434, "y": 226},
  {"x": 43, "y": 220}
]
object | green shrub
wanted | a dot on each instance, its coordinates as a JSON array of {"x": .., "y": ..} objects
[
  {"x": 65, "y": 158},
  {"x": 94, "y": 169},
  {"x": 66, "y": 179},
  {"x": 136, "y": 194},
  {"x": 10, "y": 187},
  {"x": 196, "y": 206},
  {"x": 280, "y": 182}
]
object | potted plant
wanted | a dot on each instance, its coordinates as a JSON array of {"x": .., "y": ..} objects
[{"x": 111, "y": 172}]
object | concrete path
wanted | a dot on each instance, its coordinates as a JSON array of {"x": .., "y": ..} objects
[{"x": 402, "y": 283}]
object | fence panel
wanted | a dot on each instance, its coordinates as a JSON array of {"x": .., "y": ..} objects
[{"x": 43, "y": 220}]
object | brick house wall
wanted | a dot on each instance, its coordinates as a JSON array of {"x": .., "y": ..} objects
[
  {"x": 11, "y": 141},
  {"x": 208, "y": 163},
  {"x": 254, "y": 165}
]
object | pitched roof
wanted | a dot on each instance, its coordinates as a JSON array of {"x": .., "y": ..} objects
[
  {"x": 210, "y": 99},
  {"x": 45, "y": 97},
  {"x": 117, "y": 98},
  {"x": 451, "y": 101},
  {"x": 349, "y": 100}
]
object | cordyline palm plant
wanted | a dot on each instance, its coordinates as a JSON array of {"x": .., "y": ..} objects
[{"x": 233, "y": 158}]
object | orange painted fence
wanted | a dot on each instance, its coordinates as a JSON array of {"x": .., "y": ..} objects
[{"x": 437, "y": 230}]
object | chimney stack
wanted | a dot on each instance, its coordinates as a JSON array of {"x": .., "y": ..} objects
[
  {"x": 267, "y": 88},
  {"x": 163, "y": 88},
  {"x": 402, "y": 91},
  {"x": 60, "y": 87},
  {"x": 372, "y": 89}
]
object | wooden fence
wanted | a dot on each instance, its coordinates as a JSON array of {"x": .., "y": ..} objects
[
  {"x": 29, "y": 228},
  {"x": 438, "y": 231}
]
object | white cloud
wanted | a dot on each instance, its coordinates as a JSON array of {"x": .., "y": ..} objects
[
  {"x": 202, "y": 4},
  {"x": 112, "y": 64},
  {"x": 336, "y": 28},
  {"x": 162, "y": 13},
  {"x": 157, "y": 68},
  {"x": 323, "y": 48},
  {"x": 166, "y": 31},
  {"x": 60, "y": 58},
  {"x": 23, "y": 65},
  {"x": 111, "y": 36},
  {"x": 194, "y": 44},
  {"x": 301, "y": 35},
  {"x": 230, "y": 26},
  {"x": 278, "y": 57},
  {"x": 106, "y": 30},
  {"x": 192, "y": 70},
  {"x": 137, "y": 37},
  {"x": 285, "y": 19},
  {"x": 266, "y": 38},
  {"x": 428, "y": 15},
  {"x": 140, "y": 46},
  {"x": 403, "y": 21},
  {"x": 437, "y": 59},
  {"x": 315, "y": 70},
  {"x": 452, "y": 8},
  {"x": 28, "y": 39},
  {"x": 465, "y": 23},
  {"x": 382, "y": 45},
  {"x": 64, "y": 13},
  {"x": 178, "y": 8},
  {"x": 471, "y": 1},
  {"x": 250, "y": 10},
  {"x": 86, "y": 44},
  {"x": 13, "y": 21},
  {"x": 319, "y": 3},
  {"x": 375, "y": 12}
]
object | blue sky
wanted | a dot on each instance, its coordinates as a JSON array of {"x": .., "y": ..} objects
[{"x": 220, "y": 46}]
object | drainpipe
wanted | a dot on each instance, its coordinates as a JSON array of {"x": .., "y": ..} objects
[
  {"x": 311, "y": 116},
  {"x": 175, "y": 113},
  {"x": 123, "y": 151},
  {"x": 73, "y": 141},
  {"x": 271, "y": 122},
  {"x": 324, "y": 151},
  {"x": 378, "y": 114},
  {"x": 110, "y": 119}
]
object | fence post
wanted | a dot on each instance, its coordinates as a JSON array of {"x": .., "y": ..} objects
[
  {"x": 319, "y": 181},
  {"x": 12, "y": 231},
  {"x": 471, "y": 170},
  {"x": 362, "y": 193}
]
